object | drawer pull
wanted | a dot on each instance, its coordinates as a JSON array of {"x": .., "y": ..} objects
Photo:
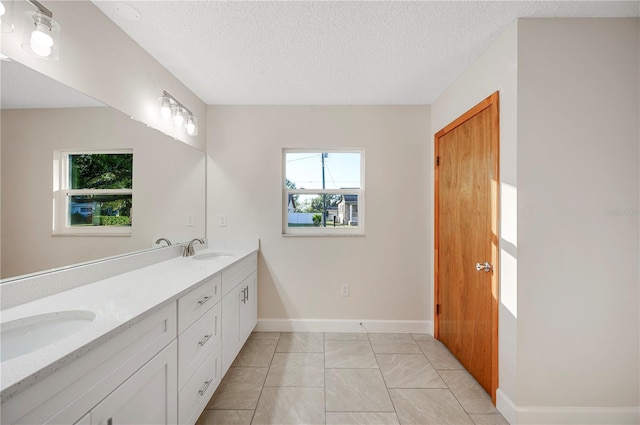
[
  {"x": 204, "y": 299},
  {"x": 204, "y": 340},
  {"x": 204, "y": 387}
]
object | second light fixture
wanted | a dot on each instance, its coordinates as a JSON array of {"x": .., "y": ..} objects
[{"x": 182, "y": 117}]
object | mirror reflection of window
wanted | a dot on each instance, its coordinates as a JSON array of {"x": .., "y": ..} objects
[{"x": 96, "y": 191}]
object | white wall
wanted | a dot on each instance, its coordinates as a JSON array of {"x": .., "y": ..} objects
[
  {"x": 495, "y": 70},
  {"x": 168, "y": 183},
  {"x": 388, "y": 268},
  {"x": 569, "y": 325},
  {"x": 97, "y": 58},
  {"x": 578, "y": 281}
]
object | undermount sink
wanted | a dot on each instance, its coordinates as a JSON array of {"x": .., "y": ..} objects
[
  {"x": 22, "y": 336},
  {"x": 212, "y": 256}
]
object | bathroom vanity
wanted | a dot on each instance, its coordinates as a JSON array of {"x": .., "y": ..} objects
[{"x": 148, "y": 346}]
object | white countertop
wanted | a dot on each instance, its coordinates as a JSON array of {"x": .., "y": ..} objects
[{"x": 118, "y": 303}]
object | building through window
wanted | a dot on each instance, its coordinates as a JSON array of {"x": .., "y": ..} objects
[{"x": 323, "y": 192}]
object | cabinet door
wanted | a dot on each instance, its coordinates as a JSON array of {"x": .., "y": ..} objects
[
  {"x": 248, "y": 307},
  {"x": 148, "y": 397},
  {"x": 230, "y": 326}
]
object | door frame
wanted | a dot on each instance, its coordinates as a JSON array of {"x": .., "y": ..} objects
[{"x": 491, "y": 101}]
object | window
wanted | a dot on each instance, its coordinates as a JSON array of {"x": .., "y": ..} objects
[
  {"x": 93, "y": 192},
  {"x": 323, "y": 192}
]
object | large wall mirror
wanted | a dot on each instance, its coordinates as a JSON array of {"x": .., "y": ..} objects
[{"x": 40, "y": 117}]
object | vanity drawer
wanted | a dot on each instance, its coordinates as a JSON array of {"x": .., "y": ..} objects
[
  {"x": 194, "y": 304},
  {"x": 237, "y": 272},
  {"x": 195, "y": 395},
  {"x": 197, "y": 342}
]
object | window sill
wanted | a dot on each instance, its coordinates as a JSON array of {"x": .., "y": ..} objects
[
  {"x": 120, "y": 233},
  {"x": 322, "y": 235}
]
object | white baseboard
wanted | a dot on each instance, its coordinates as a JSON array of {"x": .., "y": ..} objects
[
  {"x": 548, "y": 415},
  {"x": 327, "y": 325},
  {"x": 506, "y": 407}
]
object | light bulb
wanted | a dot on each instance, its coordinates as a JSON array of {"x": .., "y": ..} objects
[
  {"x": 165, "y": 109},
  {"x": 178, "y": 117},
  {"x": 2, "y": 9},
  {"x": 191, "y": 125},
  {"x": 41, "y": 41}
]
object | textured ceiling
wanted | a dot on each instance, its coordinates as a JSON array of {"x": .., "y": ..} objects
[{"x": 330, "y": 52}]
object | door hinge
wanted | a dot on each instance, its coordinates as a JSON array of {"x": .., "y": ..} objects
[
  {"x": 437, "y": 161},
  {"x": 437, "y": 308}
]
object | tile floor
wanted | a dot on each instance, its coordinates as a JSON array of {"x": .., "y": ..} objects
[{"x": 348, "y": 379}]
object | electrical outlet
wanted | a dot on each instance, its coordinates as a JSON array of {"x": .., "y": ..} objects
[{"x": 344, "y": 289}]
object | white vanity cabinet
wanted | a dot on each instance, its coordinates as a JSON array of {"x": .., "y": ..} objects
[
  {"x": 199, "y": 365},
  {"x": 239, "y": 307},
  {"x": 248, "y": 307},
  {"x": 161, "y": 367},
  {"x": 120, "y": 369},
  {"x": 146, "y": 398}
]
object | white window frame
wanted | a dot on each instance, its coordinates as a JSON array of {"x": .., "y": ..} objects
[
  {"x": 61, "y": 192},
  {"x": 329, "y": 230}
]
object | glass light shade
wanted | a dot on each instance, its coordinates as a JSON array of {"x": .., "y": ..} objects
[
  {"x": 41, "y": 35},
  {"x": 192, "y": 126},
  {"x": 41, "y": 42},
  {"x": 178, "y": 116},
  {"x": 165, "y": 107},
  {"x": 6, "y": 16}
]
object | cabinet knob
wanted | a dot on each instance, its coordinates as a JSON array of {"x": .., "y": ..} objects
[
  {"x": 204, "y": 300},
  {"x": 204, "y": 387},
  {"x": 204, "y": 340}
]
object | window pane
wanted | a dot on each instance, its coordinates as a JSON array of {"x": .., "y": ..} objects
[
  {"x": 101, "y": 171},
  {"x": 99, "y": 210},
  {"x": 308, "y": 210},
  {"x": 317, "y": 170}
]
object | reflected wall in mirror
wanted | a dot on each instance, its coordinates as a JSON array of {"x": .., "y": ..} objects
[{"x": 40, "y": 116}]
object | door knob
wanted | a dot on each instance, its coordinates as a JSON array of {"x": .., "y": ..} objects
[{"x": 486, "y": 267}]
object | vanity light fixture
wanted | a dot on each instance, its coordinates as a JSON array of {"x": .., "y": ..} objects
[
  {"x": 191, "y": 125},
  {"x": 165, "y": 107},
  {"x": 178, "y": 116},
  {"x": 182, "y": 117},
  {"x": 6, "y": 15},
  {"x": 41, "y": 33}
]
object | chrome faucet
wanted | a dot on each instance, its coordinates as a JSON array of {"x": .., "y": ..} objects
[
  {"x": 164, "y": 239},
  {"x": 188, "y": 250}
]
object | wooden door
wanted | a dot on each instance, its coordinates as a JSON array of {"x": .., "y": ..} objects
[{"x": 466, "y": 281}]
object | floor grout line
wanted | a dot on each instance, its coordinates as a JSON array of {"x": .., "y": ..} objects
[
  {"x": 324, "y": 378},
  {"x": 265, "y": 379}
]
